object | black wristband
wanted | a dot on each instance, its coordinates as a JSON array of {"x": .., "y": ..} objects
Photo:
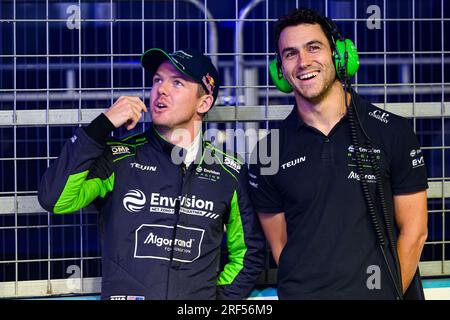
[{"x": 100, "y": 128}]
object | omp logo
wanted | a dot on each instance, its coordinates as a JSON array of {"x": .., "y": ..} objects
[
  {"x": 369, "y": 177},
  {"x": 293, "y": 162},
  {"x": 160, "y": 241},
  {"x": 232, "y": 164},
  {"x": 134, "y": 200},
  {"x": 380, "y": 115},
  {"x": 142, "y": 167},
  {"x": 120, "y": 150}
]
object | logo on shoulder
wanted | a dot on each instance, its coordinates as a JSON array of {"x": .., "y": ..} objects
[
  {"x": 417, "y": 158},
  {"x": 380, "y": 115},
  {"x": 143, "y": 167},
  {"x": 120, "y": 150},
  {"x": 134, "y": 201},
  {"x": 293, "y": 162},
  {"x": 232, "y": 164},
  {"x": 74, "y": 138}
]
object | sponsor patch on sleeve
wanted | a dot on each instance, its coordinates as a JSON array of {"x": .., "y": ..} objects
[{"x": 233, "y": 164}]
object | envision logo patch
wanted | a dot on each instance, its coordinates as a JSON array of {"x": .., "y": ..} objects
[
  {"x": 159, "y": 241},
  {"x": 134, "y": 200}
]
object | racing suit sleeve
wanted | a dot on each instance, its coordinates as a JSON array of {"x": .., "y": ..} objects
[
  {"x": 83, "y": 171},
  {"x": 245, "y": 243}
]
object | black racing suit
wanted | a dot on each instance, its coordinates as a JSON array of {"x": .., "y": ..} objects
[{"x": 162, "y": 223}]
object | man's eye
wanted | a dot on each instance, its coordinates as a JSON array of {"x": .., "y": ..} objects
[
  {"x": 178, "y": 83},
  {"x": 289, "y": 54},
  {"x": 156, "y": 80},
  {"x": 314, "y": 48}
]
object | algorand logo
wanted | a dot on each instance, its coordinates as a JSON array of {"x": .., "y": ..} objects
[
  {"x": 369, "y": 177},
  {"x": 159, "y": 241},
  {"x": 134, "y": 200}
]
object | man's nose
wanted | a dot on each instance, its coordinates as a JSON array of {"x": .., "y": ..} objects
[
  {"x": 304, "y": 60},
  {"x": 162, "y": 88}
]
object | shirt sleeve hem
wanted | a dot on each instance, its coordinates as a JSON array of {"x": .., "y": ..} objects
[
  {"x": 412, "y": 189},
  {"x": 268, "y": 210}
]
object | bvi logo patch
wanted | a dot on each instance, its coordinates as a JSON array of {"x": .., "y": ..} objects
[{"x": 134, "y": 200}]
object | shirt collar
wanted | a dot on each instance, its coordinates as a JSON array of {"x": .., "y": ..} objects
[
  {"x": 294, "y": 121},
  {"x": 193, "y": 150}
]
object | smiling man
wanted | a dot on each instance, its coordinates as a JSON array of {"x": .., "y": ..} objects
[
  {"x": 162, "y": 219},
  {"x": 347, "y": 168}
]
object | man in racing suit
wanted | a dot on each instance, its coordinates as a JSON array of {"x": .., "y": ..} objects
[{"x": 165, "y": 195}]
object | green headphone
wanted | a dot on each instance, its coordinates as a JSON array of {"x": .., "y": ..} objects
[{"x": 345, "y": 57}]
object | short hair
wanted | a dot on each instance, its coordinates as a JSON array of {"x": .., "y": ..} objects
[
  {"x": 303, "y": 16},
  {"x": 200, "y": 91}
]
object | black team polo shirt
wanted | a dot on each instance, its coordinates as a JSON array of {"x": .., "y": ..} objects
[{"x": 331, "y": 251}]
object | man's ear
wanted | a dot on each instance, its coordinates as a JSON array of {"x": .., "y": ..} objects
[{"x": 205, "y": 104}]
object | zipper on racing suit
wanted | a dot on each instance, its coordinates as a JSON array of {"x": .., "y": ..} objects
[{"x": 177, "y": 218}]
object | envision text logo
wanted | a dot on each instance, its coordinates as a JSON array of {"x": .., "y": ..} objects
[{"x": 134, "y": 200}]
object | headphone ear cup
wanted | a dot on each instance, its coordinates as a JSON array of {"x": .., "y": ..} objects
[
  {"x": 277, "y": 77},
  {"x": 348, "y": 46}
]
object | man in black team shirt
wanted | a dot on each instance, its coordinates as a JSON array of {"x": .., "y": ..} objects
[{"x": 313, "y": 210}]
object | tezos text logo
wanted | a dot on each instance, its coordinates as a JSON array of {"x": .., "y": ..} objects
[{"x": 134, "y": 200}]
